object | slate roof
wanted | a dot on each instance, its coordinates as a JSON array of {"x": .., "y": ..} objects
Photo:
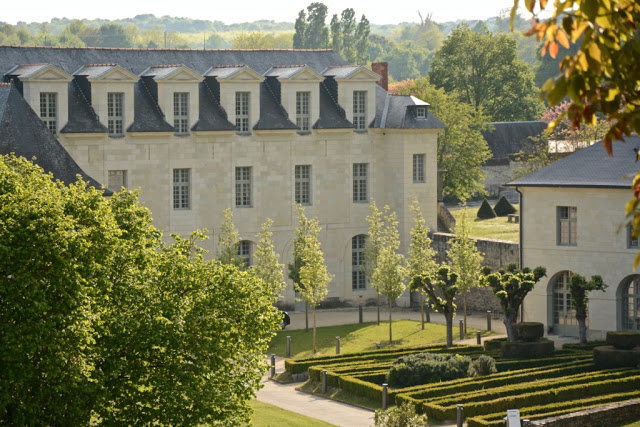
[
  {"x": 82, "y": 118},
  {"x": 508, "y": 138},
  {"x": 24, "y": 134},
  {"x": 272, "y": 115},
  {"x": 212, "y": 115},
  {"x": 26, "y": 70},
  {"x": 340, "y": 71},
  {"x": 589, "y": 167},
  {"x": 223, "y": 71},
  {"x": 161, "y": 71},
  {"x": 283, "y": 71},
  {"x": 147, "y": 116},
  {"x": 332, "y": 115},
  {"x": 396, "y": 112},
  {"x": 94, "y": 71}
]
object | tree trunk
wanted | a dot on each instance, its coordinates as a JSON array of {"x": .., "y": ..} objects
[
  {"x": 390, "y": 310},
  {"x": 422, "y": 309},
  {"x": 314, "y": 329},
  {"x": 464, "y": 307},
  {"x": 306, "y": 316},
  {"x": 582, "y": 325},
  {"x": 509, "y": 322},
  {"x": 449, "y": 319},
  {"x": 378, "y": 308}
]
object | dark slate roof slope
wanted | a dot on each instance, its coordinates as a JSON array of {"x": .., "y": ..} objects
[
  {"x": 82, "y": 118},
  {"x": 212, "y": 115},
  {"x": 272, "y": 114},
  {"x": 147, "y": 116},
  {"x": 589, "y": 167},
  {"x": 509, "y": 137},
  {"x": 332, "y": 115},
  {"x": 396, "y": 112},
  {"x": 23, "y": 133}
]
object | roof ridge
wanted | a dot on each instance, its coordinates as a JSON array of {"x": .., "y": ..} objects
[{"x": 168, "y": 49}]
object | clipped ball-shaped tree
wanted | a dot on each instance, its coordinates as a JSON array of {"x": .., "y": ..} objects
[
  {"x": 486, "y": 211},
  {"x": 504, "y": 207}
]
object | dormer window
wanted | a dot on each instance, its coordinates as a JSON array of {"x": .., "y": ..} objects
[
  {"x": 421, "y": 112},
  {"x": 115, "y": 115},
  {"x": 302, "y": 110},
  {"x": 181, "y": 112},
  {"x": 49, "y": 110},
  {"x": 360, "y": 110},
  {"x": 242, "y": 112}
]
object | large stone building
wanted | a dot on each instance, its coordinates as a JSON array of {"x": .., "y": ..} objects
[
  {"x": 573, "y": 221},
  {"x": 255, "y": 131}
]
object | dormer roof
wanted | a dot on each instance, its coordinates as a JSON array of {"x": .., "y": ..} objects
[
  {"x": 234, "y": 73},
  {"x": 294, "y": 73},
  {"x": 351, "y": 72},
  {"x": 43, "y": 71},
  {"x": 106, "y": 72},
  {"x": 178, "y": 72}
]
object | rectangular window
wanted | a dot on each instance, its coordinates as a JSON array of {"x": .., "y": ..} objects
[
  {"x": 115, "y": 111},
  {"x": 182, "y": 189},
  {"x": 631, "y": 242},
  {"x": 303, "y": 184},
  {"x": 181, "y": 112},
  {"x": 418, "y": 168},
  {"x": 360, "y": 175},
  {"x": 360, "y": 109},
  {"x": 567, "y": 225},
  {"x": 244, "y": 253},
  {"x": 421, "y": 112},
  {"x": 49, "y": 110},
  {"x": 243, "y": 187},
  {"x": 242, "y": 112},
  {"x": 302, "y": 110},
  {"x": 117, "y": 180},
  {"x": 358, "y": 278}
]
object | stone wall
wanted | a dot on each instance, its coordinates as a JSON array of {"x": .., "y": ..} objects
[{"x": 609, "y": 415}]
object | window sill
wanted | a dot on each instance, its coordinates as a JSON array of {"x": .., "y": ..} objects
[
  {"x": 243, "y": 207},
  {"x": 243, "y": 133},
  {"x": 361, "y": 201},
  {"x": 419, "y": 182},
  {"x": 304, "y": 132},
  {"x": 361, "y": 130},
  {"x": 117, "y": 135},
  {"x": 182, "y": 134}
]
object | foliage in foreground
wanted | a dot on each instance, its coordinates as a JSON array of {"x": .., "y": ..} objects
[
  {"x": 400, "y": 416},
  {"x": 101, "y": 322}
]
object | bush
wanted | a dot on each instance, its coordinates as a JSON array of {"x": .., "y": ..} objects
[
  {"x": 494, "y": 344},
  {"x": 504, "y": 207},
  {"x": 528, "y": 331},
  {"x": 486, "y": 211},
  {"x": 400, "y": 416},
  {"x": 423, "y": 368},
  {"x": 528, "y": 350},
  {"x": 483, "y": 365},
  {"x": 608, "y": 356},
  {"x": 623, "y": 340}
]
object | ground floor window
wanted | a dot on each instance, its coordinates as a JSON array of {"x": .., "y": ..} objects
[{"x": 631, "y": 303}]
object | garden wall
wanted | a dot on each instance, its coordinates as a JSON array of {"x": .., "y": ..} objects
[{"x": 612, "y": 415}]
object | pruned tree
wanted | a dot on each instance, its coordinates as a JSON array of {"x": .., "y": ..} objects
[
  {"x": 511, "y": 285},
  {"x": 299, "y": 41},
  {"x": 314, "y": 277},
  {"x": 266, "y": 264},
  {"x": 372, "y": 247},
  {"x": 229, "y": 241},
  {"x": 465, "y": 259},
  {"x": 389, "y": 274},
  {"x": 441, "y": 290},
  {"x": 303, "y": 229},
  {"x": 579, "y": 288},
  {"x": 421, "y": 260}
]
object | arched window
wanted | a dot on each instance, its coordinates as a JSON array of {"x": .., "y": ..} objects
[
  {"x": 358, "y": 278},
  {"x": 631, "y": 303},
  {"x": 563, "y": 315},
  {"x": 244, "y": 252}
]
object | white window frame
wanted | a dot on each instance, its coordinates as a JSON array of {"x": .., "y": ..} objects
[
  {"x": 360, "y": 182},
  {"x": 303, "y": 116},
  {"x": 49, "y": 110},
  {"x": 421, "y": 112},
  {"x": 302, "y": 190},
  {"x": 117, "y": 179},
  {"x": 360, "y": 110},
  {"x": 181, "y": 112},
  {"x": 567, "y": 225},
  {"x": 244, "y": 186},
  {"x": 358, "y": 277},
  {"x": 419, "y": 168},
  {"x": 631, "y": 242},
  {"x": 242, "y": 112},
  {"x": 245, "y": 253},
  {"x": 182, "y": 189},
  {"x": 115, "y": 113}
]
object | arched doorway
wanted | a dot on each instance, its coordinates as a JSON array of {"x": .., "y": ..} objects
[
  {"x": 630, "y": 302},
  {"x": 563, "y": 315}
]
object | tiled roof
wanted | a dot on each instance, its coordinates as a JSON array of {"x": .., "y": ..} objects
[
  {"x": 23, "y": 133},
  {"x": 589, "y": 167}
]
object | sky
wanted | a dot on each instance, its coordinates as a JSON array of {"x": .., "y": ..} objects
[{"x": 378, "y": 12}]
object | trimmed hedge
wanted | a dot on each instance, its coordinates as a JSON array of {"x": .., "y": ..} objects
[
  {"x": 494, "y": 344},
  {"x": 608, "y": 356},
  {"x": 504, "y": 207},
  {"x": 624, "y": 340},
  {"x": 486, "y": 211},
  {"x": 424, "y": 368},
  {"x": 528, "y": 350},
  {"x": 528, "y": 331}
]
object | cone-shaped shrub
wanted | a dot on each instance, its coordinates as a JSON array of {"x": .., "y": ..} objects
[
  {"x": 486, "y": 211},
  {"x": 504, "y": 207}
]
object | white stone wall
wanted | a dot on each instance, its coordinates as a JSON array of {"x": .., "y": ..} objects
[
  {"x": 601, "y": 249},
  {"x": 31, "y": 92}
]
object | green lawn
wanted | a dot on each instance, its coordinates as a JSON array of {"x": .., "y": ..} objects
[
  {"x": 266, "y": 415},
  {"x": 361, "y": 337},
  {"x": 496, "y": 228}
]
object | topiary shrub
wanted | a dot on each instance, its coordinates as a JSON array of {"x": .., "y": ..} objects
[
  {"x": 486, "y": 211},
  {"x": 504, "y": 207},
  {"x": 527, "y": 350},
  {"x": 483, "y": 365},
  {"x": 607, "y": 356},
  {"x": 623, "y": 340},
  {"x": 528, "y": 331},
  {"x": 494, "y": 344},
  {"x": 424, "y": 368}
]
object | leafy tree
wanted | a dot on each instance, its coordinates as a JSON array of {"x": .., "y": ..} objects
[
  {"x": 579, "y": 288},
  {"x": 482, "y": 68},
  {"x": 311, "y": 31},
  {"x": 112, "y": 35},
  {"x": 403, "y": 415},
  {"x": 511, "y": 285},
  {"x": 441, "y": 291},
  {"x": 266, "y": 264},
  {"x": 260, "y": 40},
  {"x": 314, "y": 276},
  {"x": 336, "y": 34},
  {"x": 389, "y": 274},
  {"x": 465, "y": 260},
  {"x": 461, "y": 148},
  {"x": 348, "y": 29},
  {"x": 299, "y": 41},
  {"x": 303, "y": 229},
  {"x": 362, "y": 41},
  {"x": 372, "y": 247},
  {"x": 421, "y": 260},
  {"x": 228, "y": 241},
  {"x": 533, "y": 155}
]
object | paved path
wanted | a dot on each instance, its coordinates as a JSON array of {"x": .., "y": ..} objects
[{"x": 287, "y": 397}]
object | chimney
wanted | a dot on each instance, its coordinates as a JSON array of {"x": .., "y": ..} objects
[{"x": 382, "y": 68}]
